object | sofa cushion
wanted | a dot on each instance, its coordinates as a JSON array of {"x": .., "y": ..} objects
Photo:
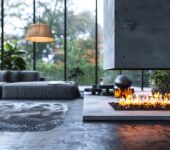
[
  {"x": 14, "y": 76},
  {"x": 27, "y": 76},
  {"x": 27, "y": 90},
  {"x": 4, "y": 76},
  {"x": 1, "y": 85}
]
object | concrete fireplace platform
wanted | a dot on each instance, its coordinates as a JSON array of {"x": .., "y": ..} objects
[{"x": 97, "y": 108}]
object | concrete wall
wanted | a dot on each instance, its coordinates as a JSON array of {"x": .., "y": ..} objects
[
  {"x": 142, "y": 34},
  {"x": 109, "y": 34}
]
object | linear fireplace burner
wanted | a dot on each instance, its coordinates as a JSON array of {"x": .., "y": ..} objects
[
  {"x": 157, "y": 106},
  {"x": 129, "y": 100},
  {"x": 98, "y": 108}
]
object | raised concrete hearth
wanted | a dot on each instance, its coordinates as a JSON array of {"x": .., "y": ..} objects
[{"x": 97, "y": 108}]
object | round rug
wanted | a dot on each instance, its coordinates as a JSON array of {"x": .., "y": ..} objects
[{"x": 31, "y": 116}]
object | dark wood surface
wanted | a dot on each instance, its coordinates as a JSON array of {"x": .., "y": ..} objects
[{"x": 74, "y": 134}]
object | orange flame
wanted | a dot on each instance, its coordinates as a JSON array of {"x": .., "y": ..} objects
[
  {"x": 123, "y": 93},
  {"x": 146, "y": 101},
  {"x": 129, "y": 99}
]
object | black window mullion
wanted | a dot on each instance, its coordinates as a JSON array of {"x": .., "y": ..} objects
[
  {"x": 96, "y": 45},
  {"x": 65, "y": 40},
  {"x": 2, "y": 34},
  {"x": 34, "y": 45},
  {"x": 142, "y": 80}
]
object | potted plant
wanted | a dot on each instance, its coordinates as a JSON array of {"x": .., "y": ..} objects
[
  {"x": 75, "y": 74},
  {"x": 160, "y": 81},
  {"x": 13, "y": 57}
]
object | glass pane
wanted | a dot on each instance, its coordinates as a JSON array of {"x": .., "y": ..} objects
[
  {"x": 50, "y": 56},
  {"x": 81, "y": 41},
  {"x": 18, "y": 15},
  {"x": 101, "y": 73},
  {"x": 147, "y": 85},
  {"x": 110, "y": 76},
  {"x": 134, "y": 76},
  {"x": 146, "y": 78}
]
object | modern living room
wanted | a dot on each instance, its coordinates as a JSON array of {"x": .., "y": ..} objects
[{"x": 84, "y": 75}]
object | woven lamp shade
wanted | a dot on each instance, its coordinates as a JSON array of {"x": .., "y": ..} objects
[{"x": 39, "y": 33}]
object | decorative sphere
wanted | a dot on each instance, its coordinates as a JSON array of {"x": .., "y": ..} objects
[{"x": 123, "y": 82}]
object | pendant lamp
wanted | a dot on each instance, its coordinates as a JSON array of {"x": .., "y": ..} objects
[{"x": 39, "y": 32}]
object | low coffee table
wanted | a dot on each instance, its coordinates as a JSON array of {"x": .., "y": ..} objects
[
  {"x": 94, "y": 90},
  {"x": 107, "y": 87},
  {"x": 99, "y": 89}
]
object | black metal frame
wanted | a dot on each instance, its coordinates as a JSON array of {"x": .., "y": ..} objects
[
  {"x": 96, "y": 44},
  {"x": 65, "y": 44},
  {"x": 2, "y": 34},
  {"x": 65, "y": 40},
  {"x": 122, "y": 69},
  {"x": 34, "y": 45},
  {"x": 142, "y": 80}
]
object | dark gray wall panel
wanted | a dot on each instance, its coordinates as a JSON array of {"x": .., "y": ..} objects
[{"x": 142, "y": 34}]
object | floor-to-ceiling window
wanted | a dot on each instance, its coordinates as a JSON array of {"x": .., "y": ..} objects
[
  {"x": 81, "y": 40},
  {"x": 17, "y": 16},
  {"x": 100, "y": 39},
  {"x": 50, "y": 56},
  {"x": 77, "y": 26},
  {"x": 146, "y": 75},
  {"x": 134, "y": 76}
]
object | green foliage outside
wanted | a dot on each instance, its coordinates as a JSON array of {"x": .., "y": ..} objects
[
  {"x": 50, "y": 71},
  {"x": 77, "y": 24},
  {"x": 80, "y": 40},
  {"x": 160, "y": 79},
  {"x": 76, "y": 74},
  {"x": 75, "y": 59},
  {"x": 50, "y": 57}
]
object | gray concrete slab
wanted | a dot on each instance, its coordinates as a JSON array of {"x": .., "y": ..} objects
[
  {"x": 97, "y": 108},
  {"x": 74, "y": 134}
]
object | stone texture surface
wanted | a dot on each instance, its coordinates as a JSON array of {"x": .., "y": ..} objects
[
  {"x": 74, "y": 134},
  {"x": 97, "y": 108},
  {"x": 109, "y": 34},
  {"x": 141, "y": 34}
]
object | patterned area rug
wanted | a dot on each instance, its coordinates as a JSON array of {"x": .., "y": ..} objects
[{"x": 31, "y": 116}]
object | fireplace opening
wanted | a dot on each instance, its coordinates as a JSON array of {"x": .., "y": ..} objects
[{"x": 129, "y": 100}]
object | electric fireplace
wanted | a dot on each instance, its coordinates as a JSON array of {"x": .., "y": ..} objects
[
  {"x": 138, "y": 106},
  {"x": 128, "y": 100},
  {"x": 127, "y": 104}
]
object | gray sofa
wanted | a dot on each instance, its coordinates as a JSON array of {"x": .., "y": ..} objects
[{"x": 27, "y": 85}]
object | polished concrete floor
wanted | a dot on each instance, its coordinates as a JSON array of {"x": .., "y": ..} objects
[{"x": 74, "y": 134}]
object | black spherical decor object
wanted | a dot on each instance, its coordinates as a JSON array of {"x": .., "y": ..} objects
[{"x": 123, "y": 82}]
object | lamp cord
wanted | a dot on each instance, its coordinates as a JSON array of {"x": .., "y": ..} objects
[{"x": 39, "y": 12}]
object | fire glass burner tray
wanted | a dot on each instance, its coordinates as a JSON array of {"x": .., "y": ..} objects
[{"x": 117, "y": 106}]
